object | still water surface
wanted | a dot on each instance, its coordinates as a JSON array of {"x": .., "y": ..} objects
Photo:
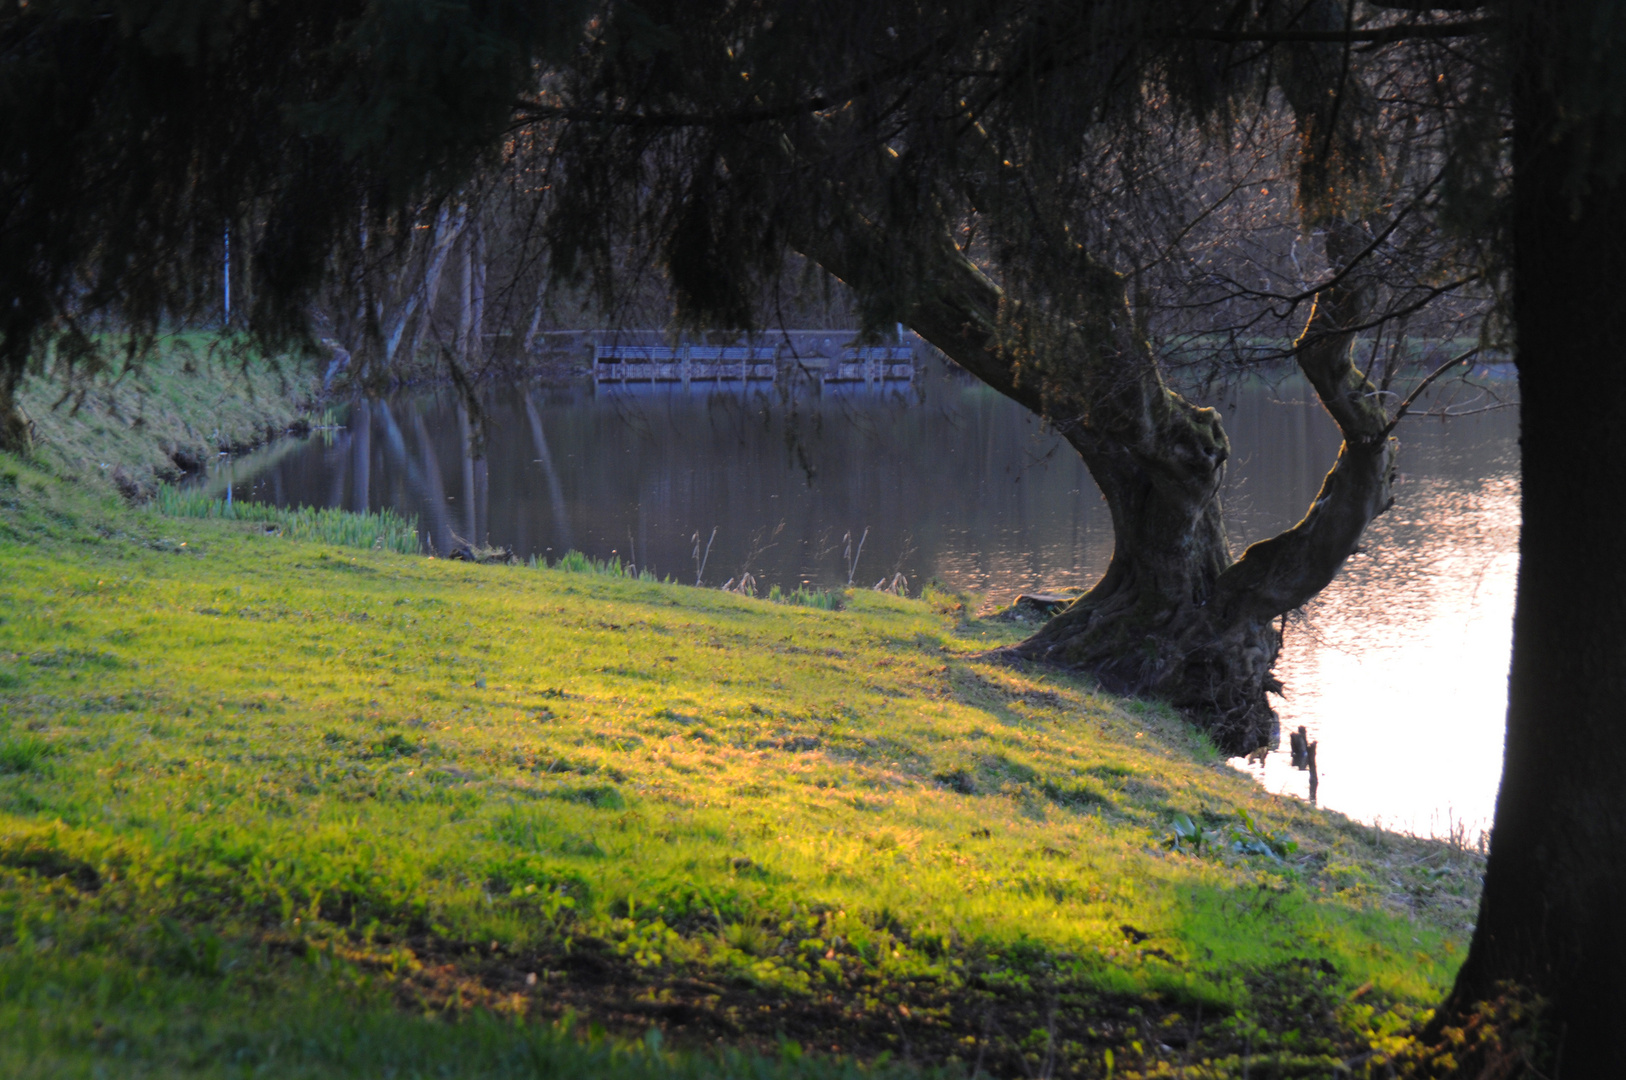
[{"x": 1399, "y": 668}]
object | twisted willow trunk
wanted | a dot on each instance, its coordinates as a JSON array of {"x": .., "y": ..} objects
[{"x": 1175, "y": 614}]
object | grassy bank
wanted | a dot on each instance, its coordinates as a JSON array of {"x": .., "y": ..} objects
[
  {"x": 270, "y": 802},
  {"x": 192, "y": 397}
]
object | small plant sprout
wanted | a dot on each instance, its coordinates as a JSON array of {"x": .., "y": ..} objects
[
  {"x": 1186, "y": 832},
  {"x": 745, "y": 585}
]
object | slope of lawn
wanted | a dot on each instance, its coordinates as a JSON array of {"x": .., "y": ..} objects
[{"x": 269, "y": 804}]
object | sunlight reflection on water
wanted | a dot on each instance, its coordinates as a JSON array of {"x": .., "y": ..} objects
[{"x": 1399, "y": 668}]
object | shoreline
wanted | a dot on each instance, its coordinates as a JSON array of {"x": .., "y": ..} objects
[{"x": 187, "y": 404}]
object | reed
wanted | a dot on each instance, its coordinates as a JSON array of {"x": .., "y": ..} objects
[{"x": 379, "y": 530}]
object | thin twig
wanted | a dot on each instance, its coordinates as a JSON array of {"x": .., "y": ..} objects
[
  {"x": 1382, "y": 35},
  {"x": 1405, "y": 406}
]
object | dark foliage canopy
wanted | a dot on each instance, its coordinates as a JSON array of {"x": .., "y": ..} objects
[
  {"x": 721, "y": 133},
  {"x": 138, "y": 132},
  {"x": 135, "y": 133}
]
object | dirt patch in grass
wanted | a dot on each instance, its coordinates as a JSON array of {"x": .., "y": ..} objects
[{"x": 1032, "y": 1018}]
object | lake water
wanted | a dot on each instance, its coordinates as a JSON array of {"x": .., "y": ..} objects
[{"x": 1399, "y": 669}]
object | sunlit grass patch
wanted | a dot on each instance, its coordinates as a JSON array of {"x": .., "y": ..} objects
[{"x": 223, "y": 752}]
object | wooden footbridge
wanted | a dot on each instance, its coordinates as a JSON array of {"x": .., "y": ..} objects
[{"x": 619, "y": 363}]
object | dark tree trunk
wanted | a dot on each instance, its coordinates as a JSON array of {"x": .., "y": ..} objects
[
  {"x": 1174, "y": 614},
  {"x": 1550, "y": 916},
  {"x": 14, "y": 433}
]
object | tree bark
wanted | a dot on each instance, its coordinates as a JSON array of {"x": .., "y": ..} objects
[
  {"x": 471, "y": 299},
  {"x": 1549, "y": 917}
]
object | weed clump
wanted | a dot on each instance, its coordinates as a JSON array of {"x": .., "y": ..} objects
[
  {"x": 598, "y": 796},
  {"x": 802, "y": 596},
  {"x": 575, "y": 562},
  {"x": 24, "y": 754},
  {"x": 1246, "y": 837}
]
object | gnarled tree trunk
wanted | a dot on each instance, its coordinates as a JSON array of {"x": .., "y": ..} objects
[{"x": 1176, "y": 614}]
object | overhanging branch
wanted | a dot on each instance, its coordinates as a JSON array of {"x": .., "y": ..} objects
[{"x": 1382, "y": 35}]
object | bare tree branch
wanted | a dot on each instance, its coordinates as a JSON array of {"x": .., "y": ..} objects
[{"x": 1405, "y": 406}]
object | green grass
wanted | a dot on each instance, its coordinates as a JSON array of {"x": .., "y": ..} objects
[
  {"x": 284, "y": 805},
  {"x": 574, "y": 562}
]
